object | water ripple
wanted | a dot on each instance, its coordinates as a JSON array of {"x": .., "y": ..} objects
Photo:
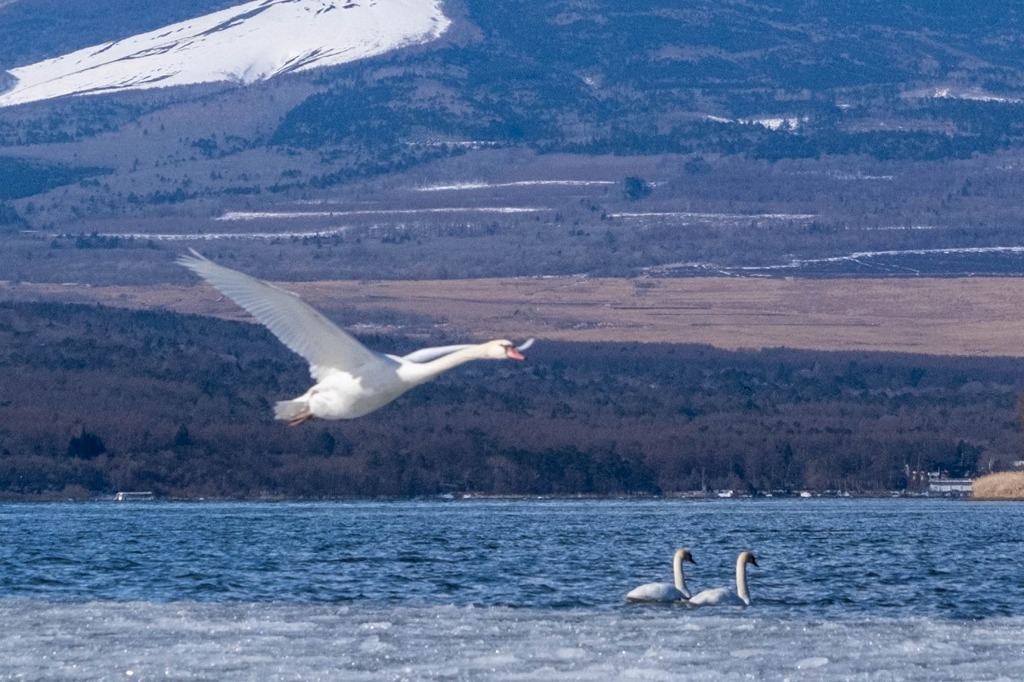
[{"x": 819, "y": 558}]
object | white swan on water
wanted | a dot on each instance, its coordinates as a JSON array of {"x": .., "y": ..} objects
[
  {"x": 351, "y": 380},
  {"x": 724, "y": 596},
  {"x": 664, "y": 592}
]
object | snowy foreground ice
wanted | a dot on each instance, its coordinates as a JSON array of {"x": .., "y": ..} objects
[
  {"x": 250, "y": 42},
  {"x": 182, "y": 641}
]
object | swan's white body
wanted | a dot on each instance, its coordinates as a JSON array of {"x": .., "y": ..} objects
[
  {"x": 351, "y": 379},
  {"x": 665, "y": 592},
  {"x": 725, "y": 596}
]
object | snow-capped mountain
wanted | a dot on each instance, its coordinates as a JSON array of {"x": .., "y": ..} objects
[{"x": 246, "y": 43}]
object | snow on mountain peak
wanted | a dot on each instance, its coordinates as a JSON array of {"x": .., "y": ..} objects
[{"x": 247, "y": 43}]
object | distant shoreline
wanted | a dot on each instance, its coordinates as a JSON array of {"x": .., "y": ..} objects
[{"x": 484, "y": 497}]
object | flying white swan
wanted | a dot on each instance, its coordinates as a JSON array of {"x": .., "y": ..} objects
[
  {"x": 724, "y": 596},
  {"x": 663, "y": 592},
  {"x": 351, "y": 380}
]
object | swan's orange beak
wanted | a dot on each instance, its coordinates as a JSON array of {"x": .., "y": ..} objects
[{"x": 512, "y": 354}]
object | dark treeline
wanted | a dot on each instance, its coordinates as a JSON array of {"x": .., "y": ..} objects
[
  {"x": 23, "y": 178},
  {"x": 95, "y": 400}
]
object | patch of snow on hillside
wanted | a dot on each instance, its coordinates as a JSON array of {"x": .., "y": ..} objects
[
  {"x": 950, "y": 92},
  {"x": 519, "y": 183},
  {"x": 304, "y": 215},
  {"x": 860, "y": 257},
  {"x": 716, "y": 216},
  {"x": 769, "y": 122},
  {"x": 773, "y": 122},
  {"x": 216, "y": 236},
  {"x": 247, "y": 43}
]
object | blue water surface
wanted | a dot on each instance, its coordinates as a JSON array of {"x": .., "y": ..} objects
[
  {"x": 898, "y": 589},
  {"x": 817, "y": 557}
]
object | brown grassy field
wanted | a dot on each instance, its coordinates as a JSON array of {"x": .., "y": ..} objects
[
  {"x": 932, "y": 316},
  {"x": 1007, "y": 485}
]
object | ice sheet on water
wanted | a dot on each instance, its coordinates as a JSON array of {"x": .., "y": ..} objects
[{"x": 108, "y": 640}]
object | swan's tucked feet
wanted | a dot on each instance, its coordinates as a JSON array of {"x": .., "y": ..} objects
[
  {"x": 300, "y": 419},
  {"x": 294, "y": 412}
]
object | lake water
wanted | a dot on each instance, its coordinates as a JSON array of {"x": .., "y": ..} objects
[{"x": 510, "y": 590}]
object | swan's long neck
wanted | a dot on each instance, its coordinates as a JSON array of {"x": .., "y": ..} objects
[
  {"x": 741, "y": 579},
  {"x": 677, "y": 572},
  {"x": 418, "y": 373}
]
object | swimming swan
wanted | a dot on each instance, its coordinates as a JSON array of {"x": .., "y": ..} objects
[
  {"x": 351, "y": 380},
  {"x": 663, "y": 592},
  {"x": 723, "y": 596}
]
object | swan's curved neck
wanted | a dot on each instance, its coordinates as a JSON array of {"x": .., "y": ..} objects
[
  {"x": 677, "y": 572},
  {"x": 418, "y": 373},
  {"x": 741, "y": 579}
]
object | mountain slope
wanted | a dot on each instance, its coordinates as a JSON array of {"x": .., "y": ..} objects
[
  {"x": 778, "y": 138},
  {"x": 653, "y": 77},
  {"x": 247, "y": 43}
]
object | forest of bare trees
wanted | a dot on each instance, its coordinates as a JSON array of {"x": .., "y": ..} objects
[{"x": 97, "y": 400}]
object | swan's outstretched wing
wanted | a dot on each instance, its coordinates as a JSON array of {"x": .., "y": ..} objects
[{"x": 293, "y": 321}]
